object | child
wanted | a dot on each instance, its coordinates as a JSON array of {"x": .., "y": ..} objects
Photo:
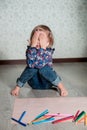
[{"x": 39, "y": 72}]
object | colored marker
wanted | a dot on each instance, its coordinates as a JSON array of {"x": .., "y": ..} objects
[
  {"x": 79, "y": 121},
  {"x": 19, "y": 120},
  {"x": 52, "y": 115},
  {"x": 59, "y": 115},
  {"x": 62, "y": 115},
  {"x": 80, "y": 116},
  {"x": 76, "y": 115},
  {"x": 23, "y": 114},
  {"x": 63, "y": 119},
  {"x": 21, "y": 123},
  {"x": 40, "y": 115},
  {"x": 43, "y": 121},
  {"x": 43, "y": 118},
  {"x": 85, "y": 118}
]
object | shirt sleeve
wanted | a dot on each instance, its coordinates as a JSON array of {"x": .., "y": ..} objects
[
  {"x": 31, "y": 53},
  {"x": 44, "y": 57}
]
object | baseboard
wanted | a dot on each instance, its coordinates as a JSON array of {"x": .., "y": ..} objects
[
  {"x": 12, "y": 62},
  {"x": 66, "y": 60},
  {"x": 55, "y": 60}
]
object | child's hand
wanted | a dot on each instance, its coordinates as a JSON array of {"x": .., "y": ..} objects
[
  {"x": 34, "y": 41},
  {"x": 43, "y": 40},
  {"x": 15, "y": 91}
]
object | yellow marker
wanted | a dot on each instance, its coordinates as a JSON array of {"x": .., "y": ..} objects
[
  {"x": 85, "y": 119},
  {"x": 41, "y": 118}
]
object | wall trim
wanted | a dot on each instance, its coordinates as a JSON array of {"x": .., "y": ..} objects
[
  {"x": 66, "y": 60},
  {"x": 55, "y": 60}
]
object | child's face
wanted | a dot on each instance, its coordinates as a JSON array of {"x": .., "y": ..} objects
[{"x": 41, "y": 31}]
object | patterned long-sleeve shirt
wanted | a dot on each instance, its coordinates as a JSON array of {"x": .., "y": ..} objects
[{"x": 38, "y": 58}]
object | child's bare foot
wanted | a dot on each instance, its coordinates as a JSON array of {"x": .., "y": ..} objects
[
  {"x": 15, "y": 91},
  {"x": 63, "y": 91}
]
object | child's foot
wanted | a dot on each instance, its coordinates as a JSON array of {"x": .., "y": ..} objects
[
  {"x": 63, "y": 91},
  {"x": 15, "y": 91}
]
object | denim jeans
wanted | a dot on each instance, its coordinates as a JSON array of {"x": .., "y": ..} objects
[{"x": 43, "y": 78}]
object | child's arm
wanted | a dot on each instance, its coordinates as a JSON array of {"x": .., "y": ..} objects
[
  {"x": 44, "y": 57},
  {"x": 31, "y": 53},
  {"x": 34, "y": 39}
]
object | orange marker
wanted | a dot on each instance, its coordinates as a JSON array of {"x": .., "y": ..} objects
[
  {"x": 85, "y": 118},
  {"x": 80, "y": 121},
  {"x": 43, "y": 118}
]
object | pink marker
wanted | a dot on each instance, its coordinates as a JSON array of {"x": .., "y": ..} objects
[
  {"x": 59, "y": 115},
  {"x": 64, "y": 115}
]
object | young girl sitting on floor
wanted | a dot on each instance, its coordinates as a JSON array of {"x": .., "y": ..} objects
[{"x": 39, "y": 72}]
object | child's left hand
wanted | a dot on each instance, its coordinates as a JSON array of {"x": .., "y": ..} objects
[{"x": 43, "y": 40}]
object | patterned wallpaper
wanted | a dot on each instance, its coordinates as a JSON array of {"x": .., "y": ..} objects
[{"x": 66, "y": 18}]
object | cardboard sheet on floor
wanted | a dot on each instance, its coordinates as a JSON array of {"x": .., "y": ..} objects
[{"x": 34, "y": 106}]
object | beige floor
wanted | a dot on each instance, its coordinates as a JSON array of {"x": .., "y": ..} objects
[{"x": 74, "y": 77}]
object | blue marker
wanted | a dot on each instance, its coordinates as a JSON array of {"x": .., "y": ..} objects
[
  {"x": 19, "y": 121},
  {"x": 22, "y": 115},
  {"x": 43, "y": 121},
  {"x": 41, "y": 114}
]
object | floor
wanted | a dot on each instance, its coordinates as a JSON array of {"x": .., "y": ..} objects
[{"x": 74, "y": 77}]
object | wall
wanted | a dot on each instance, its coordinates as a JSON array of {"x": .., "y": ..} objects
[{"x": 66, "y": 18}]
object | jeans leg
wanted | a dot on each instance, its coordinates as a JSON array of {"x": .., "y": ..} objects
[
  {"x": 26, "y": 75},
  {"x": 35, "y": 81},
  {"x": 49, "y": 74},
  {"x": 39, "y": 82}
]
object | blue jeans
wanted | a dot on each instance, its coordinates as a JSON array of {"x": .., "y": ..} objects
[{"x": 43, "y": 78}]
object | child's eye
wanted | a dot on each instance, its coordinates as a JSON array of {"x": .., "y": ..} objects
[
  {"x": 36, "y": 29},
  {"x": 39, "y": 29}
]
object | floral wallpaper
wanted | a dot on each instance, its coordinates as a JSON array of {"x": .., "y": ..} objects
[{"x": 66, "y": 18}]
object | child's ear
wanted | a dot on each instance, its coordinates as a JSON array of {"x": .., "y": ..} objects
[{"x": 29, "y": 42}]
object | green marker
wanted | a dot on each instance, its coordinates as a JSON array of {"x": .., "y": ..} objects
[{"x": 80, "y": 116}]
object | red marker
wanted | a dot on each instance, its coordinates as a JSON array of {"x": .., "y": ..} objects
[
  {"x": 63, "y": 119},
  {"x": 76, "y": 115}
]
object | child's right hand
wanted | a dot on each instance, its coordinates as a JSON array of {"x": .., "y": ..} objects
[{"x": 34, "y": 41}]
